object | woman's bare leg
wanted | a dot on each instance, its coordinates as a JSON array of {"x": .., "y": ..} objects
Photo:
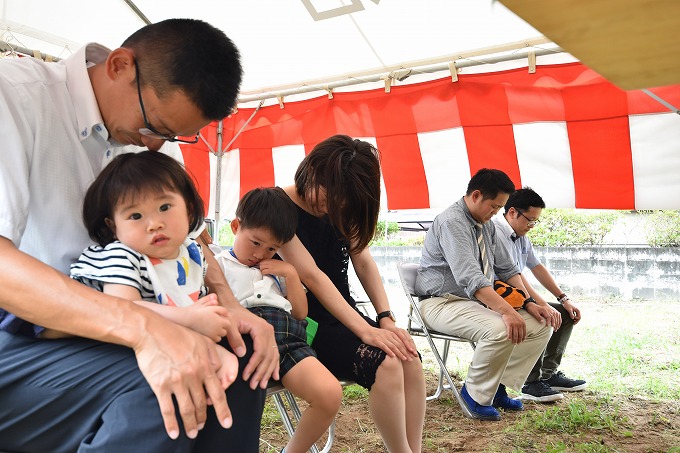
[
  {"x": 387, "y": 404},
  {"x": 415, "y": 393}
]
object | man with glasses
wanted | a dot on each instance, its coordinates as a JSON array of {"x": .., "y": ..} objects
[
  {"x": 461, "y": 253},
  {"x": 544, "y": 384},
  {"x": 132, "y": 381}
]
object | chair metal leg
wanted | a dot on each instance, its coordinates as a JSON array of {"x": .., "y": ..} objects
[
  {"x": 283, "y": 413},
  {"x": 442, "y": 374}
]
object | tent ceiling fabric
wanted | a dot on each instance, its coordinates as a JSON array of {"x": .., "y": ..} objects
[
  {"x": 280, "y": 41},
  {"x": 574, "y": 137},
  {"x": 564, "y": 130}
]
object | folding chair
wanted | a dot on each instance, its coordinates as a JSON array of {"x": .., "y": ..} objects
[{"x": 416, "y": 327}]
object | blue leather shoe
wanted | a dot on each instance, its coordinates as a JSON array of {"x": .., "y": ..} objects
[
  {"x": 503, "y": 401},
  {"x": 477, "y": 410}
]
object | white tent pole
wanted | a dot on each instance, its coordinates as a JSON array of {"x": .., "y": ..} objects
[
  {"x": 137, "y": 12},
  {"x": 220, "y": 152},
  {"x": 661, "y": 101},
  {"x": 423, "y": 70},
  {"x": 218, "y": 176},
  {"x": 459, "y": 55},
  {"x": 7, "y": 47}
]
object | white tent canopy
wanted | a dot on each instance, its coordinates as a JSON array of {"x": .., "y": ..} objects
[
  {"x": 579, "y": 141},
  {"x": 280, "y": 40}
]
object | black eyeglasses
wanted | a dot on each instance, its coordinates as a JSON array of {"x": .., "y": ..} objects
[
  {"x": 531, "y": 222},
  {"x": 149, "y": 130}
]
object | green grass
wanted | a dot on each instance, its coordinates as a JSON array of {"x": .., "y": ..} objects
[
  {"x": 633, "y": 362},
  {"x": 354, "y": 392},
  {"x": 576, "y": 416}
]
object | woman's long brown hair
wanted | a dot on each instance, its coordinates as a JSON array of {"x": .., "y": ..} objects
[{"x": 349, "y": 171}]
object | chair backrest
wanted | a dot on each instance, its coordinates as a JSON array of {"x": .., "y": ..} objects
[{"x": 407, "y": 274}]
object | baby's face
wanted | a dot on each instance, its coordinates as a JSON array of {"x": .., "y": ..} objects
[
  {"x": 155, "y": 224},
  {"x": 252, "y": 245}
]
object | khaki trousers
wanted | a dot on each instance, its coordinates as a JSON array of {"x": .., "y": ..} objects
[{"x": 495, "y": 360}]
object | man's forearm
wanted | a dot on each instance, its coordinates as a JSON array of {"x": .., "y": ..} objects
[
  {"x": 532, "y": 292},
  {"x": 492, "y": 300},
  {"x": 544, "y": 278},
  {"x": 216, "y": 281},
  {"x": 61, "y": 303}
]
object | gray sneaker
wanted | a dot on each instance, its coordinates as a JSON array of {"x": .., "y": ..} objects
[
  {"x": 540, "y": 392},
  {"x": 559, "y": 381}
]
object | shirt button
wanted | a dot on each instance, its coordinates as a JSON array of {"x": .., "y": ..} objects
[
  {"x": 259, "y": 296},
  {"x": 98, "y": 128}
]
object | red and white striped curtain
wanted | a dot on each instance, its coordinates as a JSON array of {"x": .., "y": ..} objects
[{"x": 575, "y": 138}]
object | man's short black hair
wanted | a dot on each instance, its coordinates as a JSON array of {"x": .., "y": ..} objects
[
  {"x": 524, "y": 199},
  {"x": 192, "y": 56},
  {"x": 490, "y": 182}
]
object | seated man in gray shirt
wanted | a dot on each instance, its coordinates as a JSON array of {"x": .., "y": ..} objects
[
  {"x": 460, "y": 255},
  {"x": 521, "y": 214}
]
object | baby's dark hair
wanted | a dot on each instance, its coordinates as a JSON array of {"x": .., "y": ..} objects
[
  {"x": 270, "y": 208},
  {"x": 126, "y": 177}
]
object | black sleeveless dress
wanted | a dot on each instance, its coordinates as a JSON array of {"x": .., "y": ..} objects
[{"x": 337, "y": 347}]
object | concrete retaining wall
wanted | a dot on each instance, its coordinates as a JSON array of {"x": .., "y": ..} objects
[{"x": 622, "y": 272}]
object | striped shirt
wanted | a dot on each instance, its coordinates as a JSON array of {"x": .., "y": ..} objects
[
  {"x": 451, "y": 261},
  {"x": 118, "y": 264}
]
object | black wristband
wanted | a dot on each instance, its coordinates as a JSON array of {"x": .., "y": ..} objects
[{"x": 529, "y": 300}]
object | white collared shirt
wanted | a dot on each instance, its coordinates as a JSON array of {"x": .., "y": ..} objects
[
  {"x": 53, "y": 143},
  {"x": 521, "y": 249},
  {"x": 250, "y": 287}
]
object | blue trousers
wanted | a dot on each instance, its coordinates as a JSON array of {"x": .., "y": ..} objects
[{"x": 82, "y": 395}]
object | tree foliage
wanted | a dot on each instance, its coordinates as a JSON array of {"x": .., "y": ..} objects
[
  {"x": 565, "y": 227},
  {"x": 663, "y": 228}
]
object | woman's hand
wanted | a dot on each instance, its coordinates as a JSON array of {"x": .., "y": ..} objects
[
  {"x": 403, "y": 335},
  {"x": 388, "y": 341}
]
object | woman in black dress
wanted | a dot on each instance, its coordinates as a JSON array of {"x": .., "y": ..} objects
[{"x": 337, "y": 192}]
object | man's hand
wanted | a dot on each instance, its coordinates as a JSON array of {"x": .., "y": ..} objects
[
  {"x": 264, "y": 363},
  {"x": 179, "y": 362},
  {"x": 514, "y": 325},
  {"x": 557, "y": 317},
  {"x": 543, "y": 314},
  {"x": 573, "y": 311}
]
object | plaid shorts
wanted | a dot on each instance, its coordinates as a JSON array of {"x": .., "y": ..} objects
[{"x": 290, "y": 334}]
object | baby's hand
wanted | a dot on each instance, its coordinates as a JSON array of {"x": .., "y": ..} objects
[
  {"x": 228, "y": 367},
  {"x": 276, "y": 267},
  {"x": 207, "y": 317}
]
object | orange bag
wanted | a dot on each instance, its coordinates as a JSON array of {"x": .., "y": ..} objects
[{"x": 514, "y": 296}]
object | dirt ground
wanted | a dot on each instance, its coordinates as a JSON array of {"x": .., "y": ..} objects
[
  {"x": 583, "y": 422},
  {"x": 642, "y": 427}
]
